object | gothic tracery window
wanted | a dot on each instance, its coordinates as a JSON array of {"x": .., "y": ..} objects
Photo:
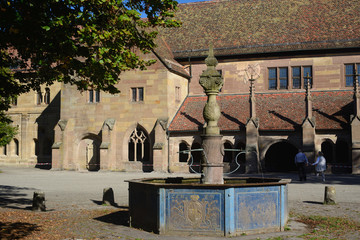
[{"x": 138, "y": 145}]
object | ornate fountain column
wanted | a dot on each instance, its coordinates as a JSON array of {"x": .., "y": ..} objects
[
  {"x": 212, "y": 162},
  {"x": 355, "y": 128}
]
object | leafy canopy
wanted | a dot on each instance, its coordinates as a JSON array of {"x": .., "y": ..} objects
[{"x": 87, "y": 43}]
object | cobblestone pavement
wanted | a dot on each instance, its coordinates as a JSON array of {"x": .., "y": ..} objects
[{"x": 72, "y": 193}]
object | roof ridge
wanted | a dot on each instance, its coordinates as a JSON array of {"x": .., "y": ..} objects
[{"x": 204, "y": 2}]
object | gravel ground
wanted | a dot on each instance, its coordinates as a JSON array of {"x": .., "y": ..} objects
[{"x": 74, "y": 209}]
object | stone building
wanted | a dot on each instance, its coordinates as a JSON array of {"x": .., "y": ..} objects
[
  {"x": 35, "y": 114},
  {"x": 289, "y": 69}
]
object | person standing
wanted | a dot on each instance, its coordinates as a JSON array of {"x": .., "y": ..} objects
[
  {"x": 320, "y": 165},
  {"x": 301, "y": 162}
]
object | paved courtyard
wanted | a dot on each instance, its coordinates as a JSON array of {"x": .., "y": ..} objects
[{"x": 70, "y": 190}]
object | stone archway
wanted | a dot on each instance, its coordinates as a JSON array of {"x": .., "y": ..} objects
[
  {"x": 89, "y": 153},
  {"x": 184, "y": 156},
  {"x": 327, "y": 148},
  {"x": 280, "y": 157}
]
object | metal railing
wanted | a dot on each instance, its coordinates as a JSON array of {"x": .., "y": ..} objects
[{"x": 190, "y": 162}]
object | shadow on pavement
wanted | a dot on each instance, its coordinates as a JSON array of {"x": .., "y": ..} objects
[
  {"x": 117, "y": 218},
  {"x": 341, "y": 179},
  {"x": 97, "y": 202},
  {"x": 14, "y": 197},
  {"x": 17, "y": 230},
  {"x": 314, "y": 202}
]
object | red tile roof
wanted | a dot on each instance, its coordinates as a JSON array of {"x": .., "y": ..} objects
[
  {"x": 276, "y": 111},
  {"x": 260, "y": 26}
]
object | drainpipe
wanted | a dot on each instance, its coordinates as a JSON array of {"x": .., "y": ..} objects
[
  {"x": 190, "y": 72},
  {"x": 168, "y": 139}
]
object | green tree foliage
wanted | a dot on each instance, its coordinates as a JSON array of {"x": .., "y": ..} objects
[{"x": 87, "y": 43}]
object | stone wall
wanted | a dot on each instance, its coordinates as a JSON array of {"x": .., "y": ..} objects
[
  {"x": 35, "y": 121},
  {"x": 86, "y": 122}
]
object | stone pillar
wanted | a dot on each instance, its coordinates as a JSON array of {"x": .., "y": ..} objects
[
  {"x": 252, "y": 148},
  {"x": 108, "y": 196},
  {"x": 212, "y": 163},
  {"x": 252, "y": 135},
  {"x": 212, "y": 81},
  {"x": 355, "y": 150},
  {"x": 38, "y": 201},
  {"x": 355, "y": 129},
  {"x": 160, "y": 148},
  {"x": 308, "y": 125},
  {"x": 106, "y": 136},
  {"x": 58, "y": 146},
  {"x": 308, "y": 139},
  {"x": 330, "y": 195}
]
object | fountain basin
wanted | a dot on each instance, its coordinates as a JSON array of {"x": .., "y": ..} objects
[{"x": 184, "y": 206}]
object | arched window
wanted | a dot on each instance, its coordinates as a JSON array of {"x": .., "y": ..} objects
[
  {"x": 39, "y": 98},
  {"x": 4, "y": 150},
  {"x": 139, "y": 146},
  {"x": 36, "y": 147},
  {"x": 47, "y": 96},
  {"x": 183, "y": 157},
  {"x": 16, "y": 146}
]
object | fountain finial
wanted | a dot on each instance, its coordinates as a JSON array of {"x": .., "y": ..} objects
[
  {"x": 211, "y": 61},
  {"x": 211, "y": 81}
]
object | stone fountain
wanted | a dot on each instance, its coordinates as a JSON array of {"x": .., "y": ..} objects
[{"x": 210, "y": 205}]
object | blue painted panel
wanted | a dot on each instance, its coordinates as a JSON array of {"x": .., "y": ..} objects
[
  {"x": 195, "y": 210},
  {"x": 257, "y": 208},
  {"x": 229, "y": 211},
  {"x": 162, "y": 210}
]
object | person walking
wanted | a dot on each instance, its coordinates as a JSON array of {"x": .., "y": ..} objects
[
  {"x": 320, "y": 165},
  {"x": 301, "y": 162}
]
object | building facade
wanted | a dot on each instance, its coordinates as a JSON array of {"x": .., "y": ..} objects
[{"x": 289, "y": 70}]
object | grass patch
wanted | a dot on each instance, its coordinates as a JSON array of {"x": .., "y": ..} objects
[{"x": 328, "y": 227}]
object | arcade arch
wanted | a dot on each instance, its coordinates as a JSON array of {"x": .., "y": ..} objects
[
  {"x": 280, "y": 157},
  {"x": 89, "y": 152}
]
